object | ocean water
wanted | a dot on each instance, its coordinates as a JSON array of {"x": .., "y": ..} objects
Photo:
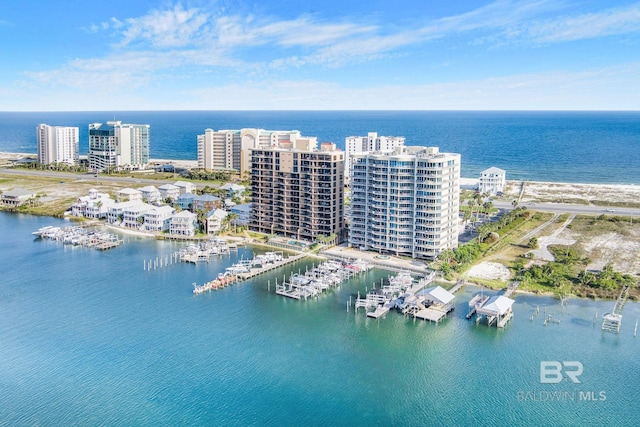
[
  {"x": 89, "y": 338},
  {"x": 590, "y": 147}
]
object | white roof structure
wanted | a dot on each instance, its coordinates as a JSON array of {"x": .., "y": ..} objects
[
  {"x": 493, "y": 170},
  {"x": 129, "y": 191},
  {"x": 439, "y": 295},
  {"x": 497, "y": 305},
  {"x": 168, "y": 187},
  {"x": 232, "y": 187}
]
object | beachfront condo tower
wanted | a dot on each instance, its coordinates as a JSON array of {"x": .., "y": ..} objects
[
  {"x": 405, "y": 202},
  {"x": 230, "y": 149},
  {"x": 371, "y": 142},
  {"x": 118, "y": 146},
  {"x": 57, "y": 144},
  {"x": 298, "y": 191}
]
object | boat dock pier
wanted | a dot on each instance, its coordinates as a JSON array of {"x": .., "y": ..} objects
[
  {"x": 402, "y": 294},
  {"x": 253, "y": 270},
  {"x": 79, "y": 236},
  {"x": 319, "y": 279},
  {"x": 221, "y": 282},
  {"x": 246, "y": 269},
  {"x": 476, "y": 302}
]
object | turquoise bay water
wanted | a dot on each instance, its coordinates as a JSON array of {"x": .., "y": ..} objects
[{"x": 89, "y": 338}]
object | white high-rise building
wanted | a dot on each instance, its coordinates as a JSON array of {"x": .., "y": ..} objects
[
  {"x": 57, "y": 144},
  {"x": 230, "y": 149},
  {"x": 371, "y": 142},
  {"x": 405, "y": 202},
  {"x": 119, "y": 146}
]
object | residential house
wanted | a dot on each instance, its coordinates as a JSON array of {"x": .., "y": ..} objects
[
  {"x": 150, "y": 194},
  {"x": 169, "y": 191},
  {"x": 129, "y": 195},
  {"x": 233, "y": 189},
  {"x": 492, "y": 181},
  {"x": 206, "y": 202},
  {"x": 185, "y": 187},
  {"x": 94, "y": 206},
  {"x": 133, "y": 215},
  {"x": 158, "y": 218},
  {"x": 243, "y": 212},
  {"x": 185, "y": 201},
  {"x": 183, "y": 224},
  {"x": 16, "y": 197},
  {"x": 215, "y": 220}
]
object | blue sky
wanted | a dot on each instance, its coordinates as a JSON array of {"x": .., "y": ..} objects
[{"x": 69, "y": 55}]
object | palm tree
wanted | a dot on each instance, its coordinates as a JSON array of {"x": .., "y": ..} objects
[{"x": 232, "y": 217}]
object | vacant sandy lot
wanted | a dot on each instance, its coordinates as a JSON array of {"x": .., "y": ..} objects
[{"x": 574, "y": 193}]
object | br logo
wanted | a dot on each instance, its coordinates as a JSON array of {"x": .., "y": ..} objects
[{"x": 553, "y": 371}]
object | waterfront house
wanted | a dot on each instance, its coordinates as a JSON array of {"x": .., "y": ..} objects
[
  {"x": 115, "y": 212},
  {"x": 183, "y": 224},
  {"x": 94, "y": 206},
  {"x": 185, "y": 187},
  {"x": 185, "y": 201},
  {"x": 243, "y": 212},
  {"x": 129, "y": 195},
  {"x": 16, "y": 197},
  {"x": 133, "y": 215},
  {"x": 206, "y": 202},
  {"x": 150, "y": 194},
  {"x": 215, "y": 220},
  {"x": 158, "y": 218},
  {"x": 169, "y": 191},
  {"x": 492, "y": 181}
]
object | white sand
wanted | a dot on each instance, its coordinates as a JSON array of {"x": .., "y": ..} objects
[{"x": 489, "y": 270}]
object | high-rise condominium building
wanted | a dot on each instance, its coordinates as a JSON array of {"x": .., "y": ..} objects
[
  {"x": 405, "y": 202},
  {"x": 298, "y": 192},
  {"x": 371, "y": 142},
  {"x": 118, "y": 146},
  {"x": 57, "y": 144},
  {"x": 230, "y": 149}
]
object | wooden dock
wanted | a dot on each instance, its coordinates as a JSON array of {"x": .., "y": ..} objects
[
  {"x": 511, "y": 288},
  {"x": 269, "y": 267},
  {"x": 458, "y": 286},
  {"x": 430, "y": 314},
  {"x": 477, "y": 301},
  {"x": 108, "y": 245}
]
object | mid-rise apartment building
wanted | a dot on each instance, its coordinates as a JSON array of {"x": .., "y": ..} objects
[
  {"x": 117, "y": 145},
  {"x": 298, "y": 192},
  {"x": 371, "y": 142},
  {"x": 230, "y": 149},
  {"x": 57, "y": 144},
  {"x": 405, "y": 202}
]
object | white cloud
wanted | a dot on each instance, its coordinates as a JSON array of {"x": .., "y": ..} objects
[
  {"x": 174, "y": 27},
  {"x": 567, "y": 28}
]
